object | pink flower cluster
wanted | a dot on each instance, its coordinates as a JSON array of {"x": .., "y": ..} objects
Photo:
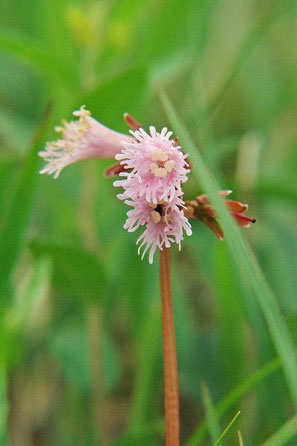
[
  {"x": 156, "y": 167},
  {"x": 164, "y": 223},
  {"x": 153, "y": 166},
  {"x": 154, "y": 170}
]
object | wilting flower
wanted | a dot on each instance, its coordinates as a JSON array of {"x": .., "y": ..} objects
[
  {"x": 155, "y": 167},
  {"x": 202, "y": 210},
  {"x": 84, "y": 138},
  {"x": 164, "y": 223}
]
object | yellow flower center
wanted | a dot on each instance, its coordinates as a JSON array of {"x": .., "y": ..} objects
[{"x": 161, "y": 165}]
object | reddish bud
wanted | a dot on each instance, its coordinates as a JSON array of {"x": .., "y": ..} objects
[
  {"x": 131, "y": 122},
  {"x": 189, "y": 212},
  {"x": 202, "y": 199},
  {"x": 243, "y": 220},
  {"x": 236, "y": 206},
  {"x": 202, "y": 210},
  {"x": 175, "y": 141}
]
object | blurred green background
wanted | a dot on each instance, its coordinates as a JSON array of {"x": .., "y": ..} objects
[{"x": 80, "y": 334}]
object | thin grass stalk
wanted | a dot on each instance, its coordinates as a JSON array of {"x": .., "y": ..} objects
[
  {"x": 169, "y": 354},
  {"x": 3, "y": 405}
]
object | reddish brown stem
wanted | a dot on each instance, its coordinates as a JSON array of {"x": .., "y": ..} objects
[{"x": 169, "y": 354}]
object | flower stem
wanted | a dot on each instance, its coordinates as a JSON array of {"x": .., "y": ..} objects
[{"x": 169, "y": 354}]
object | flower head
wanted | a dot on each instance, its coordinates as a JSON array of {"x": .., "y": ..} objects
[
  {"x": 164, "y": 223},
  {"x": 201, "y": 209},
  {"x": 155, "y": 167},
  {"x": 84, "y": 138}
]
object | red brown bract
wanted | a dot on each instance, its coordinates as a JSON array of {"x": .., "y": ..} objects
[{"x": 201, "y": 209}]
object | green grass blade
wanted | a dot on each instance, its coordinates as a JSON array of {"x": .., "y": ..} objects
[
  {"x": 210, "y": 414},
  {"x": 227, "y": 429},
  {"x": 227, "y": 291},
  {"x": 286, "y": 433},
  {"x": 234, "y": 396},
  {"x": 240, "y": 439},
  {"x": 251, "y": 274}
]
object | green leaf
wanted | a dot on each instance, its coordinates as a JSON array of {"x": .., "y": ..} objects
[
  {"x": 75, "y": 271},
  {"x": 34, "y": 54},
  {"x": 22, "y": 316},
  {"x": 17, "y": 220},
  {"x": 29, "y": 296},
  {"x": 70, "y": 347},
  {"x": 286, "y": 433}
]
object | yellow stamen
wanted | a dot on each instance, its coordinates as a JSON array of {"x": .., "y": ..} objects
[
  {"x": 160, "y": 172},
  {"x": 153, "y": 167},
  {"x": 156, "y": 216},
  {"x": 159, "y": 155},
  {"x": 169, "y": 165},
  {"x": 82, "y": 112},
  {"x": 163, "y": 156}
]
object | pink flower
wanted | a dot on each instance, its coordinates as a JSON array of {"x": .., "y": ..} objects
[
  {"x": 155, "y": 166},
  {"x": 164, "y": 223},
  {"x": 84, "y": 138}
]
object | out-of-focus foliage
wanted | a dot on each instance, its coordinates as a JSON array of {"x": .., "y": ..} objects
[{"x": 80, "y": 334}]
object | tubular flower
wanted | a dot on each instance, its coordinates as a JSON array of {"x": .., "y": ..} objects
[
  {"x": 202, "y": 210},
  {"x": 81, "y": 139},
  {"x": 165, "y": 223},
  {"x": 154, "y": 166}
]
